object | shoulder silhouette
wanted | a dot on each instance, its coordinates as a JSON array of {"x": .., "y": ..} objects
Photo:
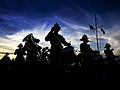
[{"x": 6, "y": 58}]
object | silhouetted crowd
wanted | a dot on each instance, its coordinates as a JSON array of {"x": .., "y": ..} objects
[{"x": 61, "y": 58}]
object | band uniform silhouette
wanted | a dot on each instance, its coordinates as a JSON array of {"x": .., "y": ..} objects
[
  {"x": 57, "y": 41},
  {"x": 112, "y": 64},
  {"x": 110, "y": 57},
  {"x": 33, "y": 52},
  {"x": 6, "y": 58},
  {"x": 85, "y": 56},
  {"x": 20, "y": 52},
  {"x": 5, "y": 63},
  {"x": 19, "y": 64},
  {"x": 84, "y": 47}
]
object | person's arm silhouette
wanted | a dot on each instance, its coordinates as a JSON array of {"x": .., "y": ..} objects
[
  {"x": 63, "y": 41},
  {"x": 48, "y": 37}
]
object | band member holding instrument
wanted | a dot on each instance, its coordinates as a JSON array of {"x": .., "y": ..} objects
[
  {"x": 57, "y": 41},
  {"x": 85, "y": 56},
  {"x": 19, "y": 64},
  {"x": 84, "y": 47},
  {"x": 33, "y": 51},
  {"x": 20, "y": 54},
  {"x": 110, "y": 57}
]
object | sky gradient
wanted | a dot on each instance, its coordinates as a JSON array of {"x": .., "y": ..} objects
[{"x": 21, "y": 17}]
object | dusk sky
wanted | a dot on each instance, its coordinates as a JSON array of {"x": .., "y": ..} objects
[{"x": 18, "y": 18}]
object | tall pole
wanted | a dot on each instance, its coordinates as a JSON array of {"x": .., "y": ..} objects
[{"x": 96, "y": 33}]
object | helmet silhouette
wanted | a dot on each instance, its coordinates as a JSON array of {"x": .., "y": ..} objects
[
  {"x": 56, "y": 26},
  {"x": 107, "y": 45},
  {"x": 20, "y": 45},
  {"x": 84, "y": 38},
  {"x": 6, "y": 53}
]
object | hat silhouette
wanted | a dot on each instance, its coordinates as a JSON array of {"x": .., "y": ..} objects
[
  {"x": 56, "y": 26},
  {"x": 107, "y": 45},
  {"x": 20, "y": 45},
  {"x": 7, "y": 53},
  {"x": 84, "y": 38}
]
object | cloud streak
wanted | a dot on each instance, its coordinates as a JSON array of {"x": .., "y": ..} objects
[{"x": 74, "y": 26}]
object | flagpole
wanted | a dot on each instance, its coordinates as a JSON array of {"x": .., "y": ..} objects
[{"x": 96, "y": 33}]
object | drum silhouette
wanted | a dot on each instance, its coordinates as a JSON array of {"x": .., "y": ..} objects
[{"x": 67, "y": 55}]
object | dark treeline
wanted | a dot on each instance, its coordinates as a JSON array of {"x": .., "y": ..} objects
[{"x": 88, "y": 64}]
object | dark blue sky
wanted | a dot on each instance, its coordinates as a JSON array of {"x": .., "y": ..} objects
[
  {"x": 72, "y": 15},
  {"x": 15, "y": 14}
]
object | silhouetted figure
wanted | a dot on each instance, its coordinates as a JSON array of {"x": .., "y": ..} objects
[
  {"x": 86, "y": 51},
  {"x": 56, "y": 41},
  {"x": 84, "y": 47},
  {"x": 20, "y": 52},
  {"x": 19, "y": 60},
  {"x": 33, "y": 51},
  {"x": 6, "y": 58},
  {"x": 5, "y": 61},
  {"x": 110, "y": 57},
  {"x": 85, "y": 57}
]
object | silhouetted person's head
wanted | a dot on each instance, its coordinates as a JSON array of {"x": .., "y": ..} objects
[
  {"x": 20, "y": 46},
  {"x": 43, "y": 49},
  {"x": 6, "y": 54},
  {"x": 107, "y": 45},
  {"x": 56, "y": 28},
  {"x": 84, "y": 39}
]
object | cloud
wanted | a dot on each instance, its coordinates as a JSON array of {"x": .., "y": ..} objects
[
  {"x": 7, "y": 42},
  {"x": 38, "y": 32},
  {"x": 10, "y": 43},
  {"x": 74, "y": 26},
  {"x": 7, "y": 45},
  {"x": 112, "y": 36}
]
